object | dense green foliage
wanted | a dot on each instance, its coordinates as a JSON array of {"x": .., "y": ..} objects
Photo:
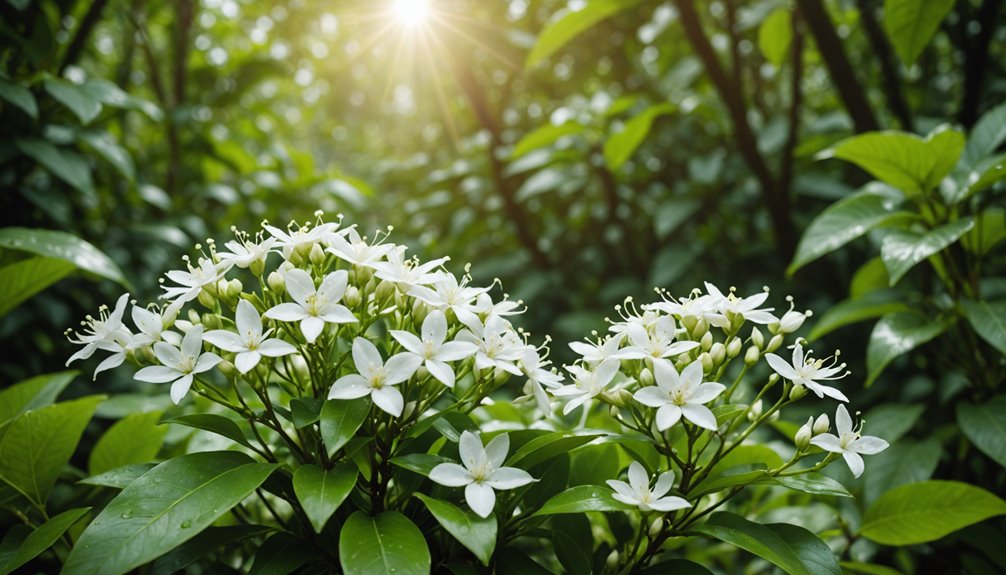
[{"x": 848, "y": 152}]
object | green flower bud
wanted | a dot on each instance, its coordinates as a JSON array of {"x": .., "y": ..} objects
[
  {"x": 194, "y": 317},
  {"x": 797, "y": 392},
  {"x": 757, "y": 338},
  {"x": 500, "y": 377},
  {"x": 317, "y": 255},
  {"x": 734, "y": 347},
  {"x": 352, "y": 298},
  {"x": 718, "y": 353},
  {"x": 385, "y": 291},
  {"x": 821, "y": 424},
  {"x": 257, "y": 267},
  {"x": 304, "y": 250},
  {"x": 656, "y": 527},
  {"x": 227, "y": 368},
  {"x": 409, "y": 409},
  {"x": 804, "y": 435},
  {"x": 612, "y": 561},
  {"x": 210, "y": 321},
  {"x": 774, "y": 343},
  {"x": 277, "y": 283},
  {"x": 701, "y": 329},
  {"x": 422, "y": 373},
  {"x": 363, "y": 274},
  {"x": 689, "y": 322},
  {"x": 646, "y": 377},
  {"x": 206, "y": 298},
  {"x": 419, "y": 311},
  {"x": 755, "y": 411},
  {"x": 706, "y": 341},
  {"x": 751, "y": 356},
  {"x": 707, "y": 362},
  {"x": 234, "y": 288}
]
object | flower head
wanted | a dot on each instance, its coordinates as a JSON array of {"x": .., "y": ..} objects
[
  {"x": 587, "y": 384},
  {"x": 656, "y": 343},
  {"x": 680, "y": 395},
  {"x": 637, "y": 491},
  {"x": 190, "y": 283},
  {"x": 807, "y": 372},
  {"x": 376, "y": 378},
  {"x": 179, "y": 366},
  {"x": 313, "y": 308},
  {"x": 730, "y": 307},
  {"x": 105, "y": 332},
  {"x": 432, "y": 350},
  {"x": 250, "y": 341},
  {"x": 482, "y": 471},
  {"x": 849, "y": 442}
]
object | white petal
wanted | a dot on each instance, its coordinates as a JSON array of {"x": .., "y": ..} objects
[
  {"x": 666, "y": 504},
  {"x": 148, "y": 321},
  {"x": 112, "y": 361},
  {"x": 168, "y": 354},
  {"x": 781, "y": 366},
  {"x": 699, "y": 415},
  {"x": 652, "y": 396},
  {"x": 843, "y": 423},
  {"x": 334, "y": 286},
  {"x": 497, "y": 449},
  {"x": 389, "y": 399},
  {"x": 667, "y": 416},
  {"x": 86, "y": 352},
  {"x": 455, "y": 350},
  {"x": 192, "y": 343},
  {"x": 481, "y": 498},
  {"x": 606, "y": 371},
  {"x": 470, "y": 449},
  {"x": 400, "y": 367},
  {"x": 206, "y": 362},
  {"x": 338, "y": 313},
  {"x": 299, "y": 285},
  {"x": 246, "y": 361},
  {"x": 706, "y": 392},
  {"x": 180, "y": 388},
  {"x": 312, "y": 327},
  {"x": 664, "y": 484},
  {"x": 573, "y": 404},
  {"x": 509, "y": 478},
  {"x": 855, "y": 462},
  {"x": 451, "y": 475},
  {"x": 247, "y": 319},
  {"x": 286, "y": 312},
  {"x": 679, "y": 347},
  {"x": 365, "y": 355},
  {"x": 408, "y": 340},
  {"x": 435, "y": 327},
  {"x": 349, "y": 387},
  {"x": 226, "y": 340},
  {"x": 691, "y": 376},
  {"x": 868, "y": 445},
  {"x": 624, "y": 490},
  {"x": 665, "y": 375},
  {"x": 827, "y": 442},
  {"x": 157, "y": 374},
  {"x": 441, "y": 371},
  {"x": 826, "y": 390},
  {"x": 639, "y": 479},
  {"x": 276, "y": 347}
]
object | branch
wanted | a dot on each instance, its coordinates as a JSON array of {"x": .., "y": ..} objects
[
  {"x": 881, "y": 47},
  {"x": 76, "y": 47},
  {"x": 795, "y": 102},
  {"x": 977, "y": 56}
]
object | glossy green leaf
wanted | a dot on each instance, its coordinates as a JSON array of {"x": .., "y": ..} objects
[
  {"x": 911, "y": 164},
  {"x": 901, "y": 250},
  {"x": 871, "y": 305},
  {"x": 985, "y": 426},
  {"x": 136, "y": 438},
  {"x": 66, "y": 165},
  {"x": 620, "y": 146},
  {"x": 793, "y": 549},
  {"x": 119, "y": 478},
  {"x": 421, "y": 463},
  {"x": 745, "y": 455},
  {"x": 927, "y": 511},
  {"x": 583, "y": 498},
  {"x": 722, "y": 481},
  {"x": 23, "y": 279},
  {"x": 305, "y": 410},
  {"x": 850, "y": 218},
  {"x": 594, "y": 464},
  {"x": 38, "y": 443},
  {"x": 112, "y": 152},
  {"x": 988, "y": 233},
  {"x": 211, "y": 540},
  {"x": 988, "y": 133},
  {"x": 904, "y": 462},
  {"x": 321, "y": 491},
  {"x": 388, "y": 543},
  {"x": 42, "y": 538},
  {"x": 895, "y": 419},
  {"x": 559, "y": 32},
  {"x": 280, "y": 554},
  {"x": 775, "y": 35},
  {"x": 813, "y": 483},
  {"x": 989, "y": 321},
  {"x": 167, "y": 506},
  {"x": 76, "y": 99},
  {"x": 33, "y": 393},
  {"x": 911, "y": 23},
  {"x": 573, "y": 542},
  {"x": 984, "y": 174},
  {"x": 64, "y": 246},
  {"x": 513, "y": 561},
  {"x": 340, "y": 420},
  {"x": 550, "y": 445},
  {"x": 545, "y": 136},
  {"x": 871, "y": 276},
  {"x": 896, "y": 334},
  {"x": 19, "y": 96},
  {"x": 12, "y": 541},
  {"x": 474, "y": 532},
  {"x": 677, "y": 567},
  {"x": 213, "y": 423},
  {"x": 868, "y": 568}
]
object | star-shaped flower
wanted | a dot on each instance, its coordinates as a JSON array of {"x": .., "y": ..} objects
[
  {"x": 849, "y": 442},
  {"x": 355, "y": 250},
  {"x": 102, "y": 333},
  {"x": 539, "y": 377},
  {"x": 656, "y": 343},
  {"x": 179, "y": 366},
  {"x": 448, "y": 293},
  {"x": 499, "y": 346},
  {"x": 637, "y": 491},
  {"x": 191, "y": 282},
  {"x": 680, "y": 395},
  {"x": 587, "y": 384},
  {"x": 408, "y": 273},
  {"x": 730, "y": 306},
  {"x": 313, "y": 308},
  {"x": 249, "y": 343},
  {"x": 432, "y": 350},
  {"x": 482, "y": 472},
  {"x": 807, "y": 372},
  {"x": 376, "y": 377}
]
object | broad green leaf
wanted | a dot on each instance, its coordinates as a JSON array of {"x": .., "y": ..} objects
[
  {"x": 847, "y": 219},
  {"x": 550, "y": 445},
  {"x": 124, "y": 404},
  {"x": 322, "y": 491},
  {"x": 545, "y": 136},
  {"x": 989, "y": 320},
  {"x": 911, "y": 164},
  {"x": 64, "y": 246},
  {"x": 211, "y": 540},
  {"x": 113, "y": 153},
  {"x": 33, "y": 393},
  {"x": 901, "y": 250},
  {"x": 986, "y": 136},
  {"x": 594, "y": 464},
  {"x": 871, "y": 276},
  {"x": 305, "y": 410},
  {"x": 38, "y": 443},
  {"x": 21, "y": 280},
  {"x": 620, "y": 146},
  {"x": 984, "y": 174},
  {"x": 868, "y": 568},
  {"x": 12, "y": 541},
  {"x": 119, "y": 478},
  {"x": 793, "y": 549},
  {"x": 388, "y": 543},
  {"x": 281, "y": 554},
  {"x": 513, "y": 561},
  {"x": 722, "y": 481},
  {"x": 775, "y": 35},
  {"x": 559, "y": 32},
  {"x": 573, "y": 542},
  {"x": 672, "y": 213},
  {"x": 169, "y": 505},
  {"x": 988, "y": 233},
  {"x": 340, "y": 420},
  {"x": 747, "y": 455},
  {"x": 923, "y": 512},
  {"x": 677, "y": 567},
  {"x": 871, "y": 305},
  {"x": 213, "y": 423},
  {"x": 42, "y": 538},
  {"x": 66, "y": 165},
  {"x": 895, "y": 419},
  {"x": 421, "y": 463},
  {"x": 904, "y": 462},
  {"x": 911, "y": 23},
  {"x": 19, "y": 96},
  {"x": 474, "y": 532},
  {"x": 813, "y": 483},
  {"x": 582, "y": 498},
  {"x": 985, "y": 426},
  {"x": 896, "y": 334},
  {"x": 135, "y": 439},
  {"x": 75, "y": 98}
]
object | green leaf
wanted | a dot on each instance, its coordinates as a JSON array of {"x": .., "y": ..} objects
[
  {"x": 421, "y": 463},
  {"x": 988, "y": 133},
  {"x": 38, "y": 443},
  {"x": 42, "y": 538},
  {"x": 211, "y": 540},
  {"x": 901, "y": 250},
  {"x": 19, "y": 96},
  {"x": 64, "y": 246},
  {"x": 135, "y": 439},
  {"x": 989, "y": 321},
  {"x": 871, "y": 305},
  {"x": 75, "y": 98},
  {"x": 722, "y": 481},
  {"x": 871, "y": 276},
  {"x": 911, "y": 23},
  {"x": 113, "y": 153},
  {"x": 21, "y": 280},
  {"x": 388, "y": 543},
  {"x": 775, "y": 35},
  {"x": 474, "y": 532},
  {"x": 896, "y": 419},
  {"x": 868, "y": 568},
  {"x": 904, "y": 462},
  {"x": 620, "y": 146},
  {"x": 545, "y": 136},
  {"x": 985, "y": 426},
  {"x": 213, "y": 423},
  {"x": 847, "y": 219},
  {"x": 573, "y": 542},
  {"x": 281, "y": 554},
  {"x": 550, "y": 445},
  {"x": 813, "y": 483},
  {"x": 340, "y": 420},
  {"x": 33, "y": 393},
  {"x": 793, "y": 549},
  {"x": 322, "y": 491},
  {"x": 559, "y": 32},
  {"x": 985, "y": 173},
  {"x": 119, "y": 478},
  {"x": 677, "y": 567},
  {"x": 896, "y": 334},
  {"x": 583, "y": 498},
  {"x": 64, "y": 164},
  {"x": 911, "y": 164},
  {"x": 305, "y": 410},
  {"x": 594, "y": 464},
  {"x": 989, "y": 232},
  {"x": 923, "y": 512},
  {"x": 169, "y": 505}
]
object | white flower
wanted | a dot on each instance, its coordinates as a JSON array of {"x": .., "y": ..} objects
[
  {"x": 482, "y": 471},
  {"x": 407, "y": 273},
  {"x": 680, "y": 395},
  {"x": 447, "y": 293},
  {"x": 106, "y": 332},
  {"x": 656, "y": 344},
  {"x": 190, "y": 283},
  {"x": 244, "y": 252},
  {"x": 249, "y": 342},
  {"x": 637, "y": 491},
  {"x": 487, "y": 309},
  {"x": 849, "y": 442},
  {"x": 538, "y": 378},
  {"x": 313, "y": 308},
  {"x": 376, "y": 378},
  {"x": 807, "y": 372},
  {"x": 691, "y": 309},
  {"x": 499, "y": 346},
  {"x": 432, "y": 350},
  {"x": 595, "y": 353},
  {"x": 587, "y": 384},
  {"x": 730, "y": 306},
  {"x": 179, "y": 367},
  {"x": 356, "y": 251},
  {"x": 305, "y": 236}
]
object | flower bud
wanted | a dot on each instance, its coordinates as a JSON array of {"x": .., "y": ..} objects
[
  {"x": 193, "y": 316},
  {"x": 385, "y": 291},
  {"x": 234, "y": 288},
  {"x": 701, "y": 328},
  {"x": 757, "y": 338},
  {"x": 419, "y": 311},
  {"x": 707, "y": 362},
  {"x": 422, "y": 373},
  {"x": 736, "y": 321},
  {"x": 707, "y": 341},
  {"x": 804, "y": 435},
  {"x": 734, "y": 347},
  {"x": 689, "y": 322},
  {"x": 656, "y": 527},
  {"x": 409, "y": 409},
  {"x": 363, "y": 274},
  {"x": 718, "y": 353},
  {"x": 613, "y": 411},
  {"x": 277, "y": 283},
  {"x": 821, "y": 424},
  {"x": 227, "y": 368},
  {"x": 206, "y": 298},
  {"x": 303, "y": 250},
  {"x": 317, "y": 255},
  {"x": 352, "y": 297},
  {"x": 500, "y": 376},
  {"x": 257, "y": 267},
  {"x": 646, "y": 377},
  {"x": 210, "y": 321},
  {"x": 751, "y": 356},
  {"x": 774, "y": 343},
  {"x": 611, "y": 563},
  {"x": 754, "y": 412},
  {"x": 797, "y": 392},
  {"x": 792, "y": 320}
]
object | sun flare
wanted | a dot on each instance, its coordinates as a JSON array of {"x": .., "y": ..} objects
[{"x": 411, "y": 13}]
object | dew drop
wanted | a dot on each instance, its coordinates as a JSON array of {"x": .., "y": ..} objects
[
  {"x": 157, "y": 480},
  {"x": 186, "y": 524},
  {"x": 127, "y": 514}
]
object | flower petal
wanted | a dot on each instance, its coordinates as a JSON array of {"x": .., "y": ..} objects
[
  {"x": 706, "y": 392},
  {"x": 473, "y": 455},
  {"x": 206, "y": 362},
  {"x": 497, "y": 449},
  {"x": 365, "y": 355},
  {"x": 408, "y": 340},
  {"x": 665, "y": 375},
  {"x": 349, "y": 386},
  {"x": 247, "y": 319},
  {"x": 226, "y": 340},
  {"x": 400, "y": 367},
  {"x": 855, "y": 462},
  {"x": 664, "y": 484},
  {"x": 868, "y": 445},
  {"x": 192, "y": 343},
  {"x": 672, "y": 503},
  {"x": 276, "y": 347},
  {"x": 312, "y": 327},
  {"x": 286, "y": 312},
  {"x": 451, "y": 475},
  {"x": 338, "y": 313},
  {"x": 827, "y": 442},
  {"x": 157, "y": 374},
  {"x": 389, "y": 399},
  {"x": 639, "y": 479},
  {"x": 481, "y": 498},
  {"x": 441, "y": 371},
  {"x": 623, "y": 492},
  {"x": 299, "y": 285},
  {"x": 781, "y": 366},
  {"x": 699, "y": 415},
  {"x": 667, "y": 416},
  {"x": 456, "y": 350},
  {"x": 652, "y": 396},
  {"x": 435, "y": 327},
  {"x": 168, "y": 354},
  {"x": 247, "y": 360},
  {"x": 843, "y": 423},
  {"x": 180, "y": 387},
  {"x": 333, "y": 287},
  {"x": 509, "y": 478}
]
